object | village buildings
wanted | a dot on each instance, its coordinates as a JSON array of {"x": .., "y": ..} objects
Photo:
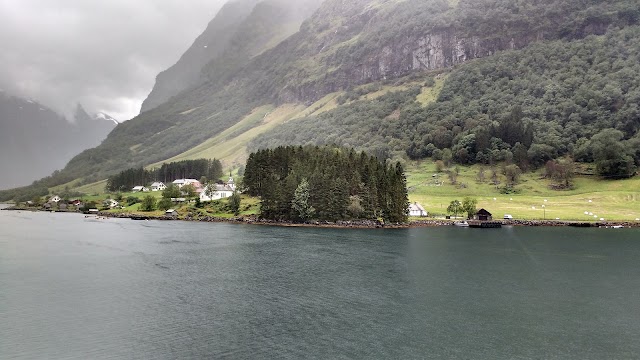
[{"x": 218, "y": 191}]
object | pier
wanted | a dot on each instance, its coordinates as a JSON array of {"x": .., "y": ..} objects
[{"x": 479, "y": 224}]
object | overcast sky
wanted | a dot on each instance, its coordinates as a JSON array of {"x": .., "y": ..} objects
[{"x": 104, "y": 54}]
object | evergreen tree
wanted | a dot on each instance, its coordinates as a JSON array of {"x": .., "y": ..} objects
[{"x": 292, "y": 180}]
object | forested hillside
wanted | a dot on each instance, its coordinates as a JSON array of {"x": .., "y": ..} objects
[
  {"x": 534, "y": 105},
  {"x": 532, "y": 66}
]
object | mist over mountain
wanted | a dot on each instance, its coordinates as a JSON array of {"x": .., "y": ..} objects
[
  {"x": 102, "y": 54},
  {"x": 35, "y": 141},
  {"x": 241, "y": 30}
]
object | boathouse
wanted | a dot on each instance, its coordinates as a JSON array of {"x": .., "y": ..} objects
[{"x": 483, "y": 215}]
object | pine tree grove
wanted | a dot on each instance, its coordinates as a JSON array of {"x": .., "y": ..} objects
[{"x": 302, "y": 183}]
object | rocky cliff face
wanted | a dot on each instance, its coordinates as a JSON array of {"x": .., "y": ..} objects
[
  {"x": 429, "y": 52},
  {"x": 418, "y": 52},
  {"x": 418, "y": 48}
]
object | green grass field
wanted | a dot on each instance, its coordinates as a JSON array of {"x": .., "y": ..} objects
[{"x": 611, "y": 200}]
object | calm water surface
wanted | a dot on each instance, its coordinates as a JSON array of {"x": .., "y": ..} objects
[{"x": 79, "y": 288}]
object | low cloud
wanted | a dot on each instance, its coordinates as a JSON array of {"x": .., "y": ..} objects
[{"x": 102, "y": 54}]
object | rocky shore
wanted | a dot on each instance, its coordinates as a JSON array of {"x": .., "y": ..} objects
[
  {"x": 356, "y": 224},
  {"x": 369, "y": 224},
  {"x": 254, "y": 220}
]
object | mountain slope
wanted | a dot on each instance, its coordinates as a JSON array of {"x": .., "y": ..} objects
[
  {"x": 36, "y": 141},
  {"x": 568, "y": 92},
  {"x": 346, "y": 44},
  {"x": 208, "y": 46},
  {"x": 241, "y": 30}
]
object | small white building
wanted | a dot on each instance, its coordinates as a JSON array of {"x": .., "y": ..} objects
[
  {"x": 55, "y": 199},
  {"x": 158, "y": 186},
  {"x": 216, "y": 192},
  {"x": 417, "y": 210},
  {"x": 140, "y": 189},
  {"x": 184, "y": 182},
  {"x": 171, "y": 213},
  {"x": 111, "y": 204}
]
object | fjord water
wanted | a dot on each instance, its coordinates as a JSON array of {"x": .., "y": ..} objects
[{"x": 82, "y": 288}]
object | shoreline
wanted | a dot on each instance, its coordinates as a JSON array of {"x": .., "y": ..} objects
[{"x": 352, "y": 224}]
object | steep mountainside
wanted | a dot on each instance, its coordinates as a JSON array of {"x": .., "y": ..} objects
[
  {"x": 35, "y": 141},
  {"x": 394, "y": 45},
  {"x": 208, "y": 46},
  {"x": 241, "y": 30}
]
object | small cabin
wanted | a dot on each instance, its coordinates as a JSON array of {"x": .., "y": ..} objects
[{"x": 483, "y": 215}]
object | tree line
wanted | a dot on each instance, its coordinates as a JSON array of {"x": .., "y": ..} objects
[
  {"x": 167, "y": 173},
  {"x": 325, "y": 183}
]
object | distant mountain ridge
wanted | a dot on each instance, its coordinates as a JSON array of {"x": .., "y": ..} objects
[{"x": 36, "y": 141}]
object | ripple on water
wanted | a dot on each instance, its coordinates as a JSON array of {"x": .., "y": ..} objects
[{"x": 120, "y": 289}]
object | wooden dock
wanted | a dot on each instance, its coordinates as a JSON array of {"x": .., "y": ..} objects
[{"x": 484, "y": 224}]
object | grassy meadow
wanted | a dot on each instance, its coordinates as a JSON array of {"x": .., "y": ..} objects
[{"x": 608, "y": 199}]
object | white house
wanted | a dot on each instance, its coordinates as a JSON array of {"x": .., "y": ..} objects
[
  {"x": 184, "y": 182},
  {"x": 111, "y": 204},
  {"x": 158, "y": 186},
  {"x": 55, "y": 199},
  {"x": 417, "y": 210},
  {"x": 216, "y": 192},
  {"x": 140, "y": 189}
]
